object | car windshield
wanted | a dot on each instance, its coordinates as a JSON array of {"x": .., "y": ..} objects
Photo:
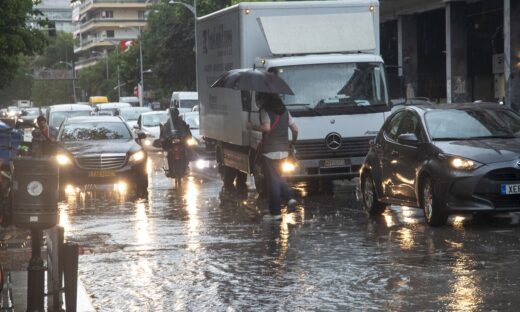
[
  {"x": 453, "y": 124},
  {"x": 95, "y": 131},
  {"x": 335, "y": 89},
  {"x": 192, "y": 121},
  {"x": 56, "y": 118},
  {"x": 154, "y": 120},
  {"x": 133, "y": 114},
  {"x": 188, "y": 103},
  {"x": 32, "y": 112}
]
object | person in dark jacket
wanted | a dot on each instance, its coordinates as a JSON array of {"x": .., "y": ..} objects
[
  {"x": 275, "y": 122},
  {"x": 175, "y": 123}
]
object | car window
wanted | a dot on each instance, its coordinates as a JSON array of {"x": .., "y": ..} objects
[
  {"x": 392, "y": 128},
  {"x": 94, "y": 131},
  {"x": 410, "y": 124},
  {"x": 471, "y": 123},
  {"x": 56, "y": 118},
  {"x": 154, "y": 120}
]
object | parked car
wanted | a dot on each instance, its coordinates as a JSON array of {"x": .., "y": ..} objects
[
  {"x": 100, "y": 150},
  {"x": 109, "y": 109},
  {"x": 445, "y": 159},
  {"x": 131, "y": 114},
  {"x": 56, "y": 114},
  {"x": 150, "y": 124}
]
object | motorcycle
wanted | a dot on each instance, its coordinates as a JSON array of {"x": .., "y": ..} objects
[{"x": 175, "y": 145}]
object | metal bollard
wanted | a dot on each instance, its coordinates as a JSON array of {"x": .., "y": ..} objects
[{"x": 70, "y": 275}]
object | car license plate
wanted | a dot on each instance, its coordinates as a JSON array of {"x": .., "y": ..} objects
[
  {"x": 101, "y": 174},
  {"x": 510, "y": 189},
  {"x": 329, "y": 163}
]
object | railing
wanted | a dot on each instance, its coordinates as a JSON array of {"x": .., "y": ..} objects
[
  {"x": 91, "y": 2},
  {"x": 111, "y": 40}
]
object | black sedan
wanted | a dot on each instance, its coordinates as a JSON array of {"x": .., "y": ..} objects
[
  {"x": 100, "y": 150},
  {"x": 445, "y": 159}
]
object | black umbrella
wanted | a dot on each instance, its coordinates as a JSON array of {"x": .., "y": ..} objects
[{"x": 251, "y": 79}]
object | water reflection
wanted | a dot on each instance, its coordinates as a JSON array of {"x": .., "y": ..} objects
[
  {"x": 466, "y": 293},
  {"x": 192, "y": 196}
]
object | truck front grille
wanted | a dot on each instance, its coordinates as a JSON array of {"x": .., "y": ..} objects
[
  {"x": 317, "y": 149},
  {"x": 102, "y": 161}
]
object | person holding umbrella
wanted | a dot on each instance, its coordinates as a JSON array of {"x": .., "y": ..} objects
[{"x": 275, "y": 122}]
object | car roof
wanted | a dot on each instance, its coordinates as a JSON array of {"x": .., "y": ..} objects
[
  {"x": 155, "y": 113},
  {"x": 112, "y": 105},
  {"x": 479, "y": 105},
  {"x": 134, "y": 108},
  {"x": 69, "y": 107},
  {"x": 87, "y": 119}
]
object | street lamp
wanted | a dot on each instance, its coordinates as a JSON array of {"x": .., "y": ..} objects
[
  {"x": 105, "y": 55},
  {"x": 138, "y": 30},
  {"x": 193, "y": 9},
  {"x": 116, "y": 47},
  {"x": 73, "y": 77}
]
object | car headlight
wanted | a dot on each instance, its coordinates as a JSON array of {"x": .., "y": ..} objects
[
  {"x": 137, "y": 157},
  {"x": 461, "y": 163},
  {"x": 63, "y": 160},
  {"x": 191, "y": 142}
]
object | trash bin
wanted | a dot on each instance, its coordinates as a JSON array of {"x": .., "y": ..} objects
[
  {"x": 10, "y": 139},
  {"x": 35, "y": 193}
]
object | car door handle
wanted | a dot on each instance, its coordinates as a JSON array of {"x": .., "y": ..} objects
[{"x": 394, "y": 153}]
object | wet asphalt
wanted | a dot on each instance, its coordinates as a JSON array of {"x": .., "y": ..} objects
[{"x": 199, "y": 248}]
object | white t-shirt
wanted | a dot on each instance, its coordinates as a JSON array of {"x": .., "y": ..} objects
[{"x": 264, "y": 117}]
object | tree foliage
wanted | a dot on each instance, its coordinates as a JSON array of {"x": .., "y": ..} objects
[{"x": 16, "y": 37}]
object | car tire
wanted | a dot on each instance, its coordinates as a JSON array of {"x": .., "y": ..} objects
[
  {"x": 371, "y": 203},
  {"x": 434, "y": 213}
]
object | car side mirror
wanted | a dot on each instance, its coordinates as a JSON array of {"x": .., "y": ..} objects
[
  {"x": 141, "y": 135},
  {"x": 408, "y": 139}
]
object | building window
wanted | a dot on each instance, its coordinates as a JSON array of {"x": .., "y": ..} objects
[
  {"x": 110, "y": 34},
  {"x": 141, "y": 15},
  {"x": 107, "y": 14}
]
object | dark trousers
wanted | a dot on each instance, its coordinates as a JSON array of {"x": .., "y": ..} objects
[{"x": 276, "y": 185}]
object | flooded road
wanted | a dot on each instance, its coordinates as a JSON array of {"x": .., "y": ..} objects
[{"x": 201, "y": 249}]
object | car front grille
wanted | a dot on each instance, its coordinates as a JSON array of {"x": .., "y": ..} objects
[
  {"x": 102, "y": 161},
  {"x": 504, "y": 174},
  {"x": 317, "y": 149}
]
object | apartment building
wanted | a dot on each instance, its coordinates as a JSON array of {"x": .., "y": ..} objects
[
  {"x": 101, "y": 26},
  {"x": 59, "y": 14}
]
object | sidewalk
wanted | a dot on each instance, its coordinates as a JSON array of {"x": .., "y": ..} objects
[{"x": 15, "y": 254}]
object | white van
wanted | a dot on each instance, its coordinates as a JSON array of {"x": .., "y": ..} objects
[
  {"x": 132, "y": 100},
  {"x": 184, "y": 101}
]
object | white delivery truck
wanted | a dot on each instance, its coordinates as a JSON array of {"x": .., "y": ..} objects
[{"x": 326, "y": 51}]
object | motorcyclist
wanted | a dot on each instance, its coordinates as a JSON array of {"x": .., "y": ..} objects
[{"x": 175, "y": 123}]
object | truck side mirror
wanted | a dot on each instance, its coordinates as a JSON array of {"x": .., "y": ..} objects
[{"x": 246, "y": 100}]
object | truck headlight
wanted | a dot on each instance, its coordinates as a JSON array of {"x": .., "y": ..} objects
[
  {"x": 63, "y": 160},
  {"x": 288, "y": 166},
  {"x": 137, "y": 157},
  {"x": 191, "y": 142}
]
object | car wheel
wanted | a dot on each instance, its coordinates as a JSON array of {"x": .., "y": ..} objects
[
  {"x": 370, "y": 201},
  {"x": 434, "y": 213}
]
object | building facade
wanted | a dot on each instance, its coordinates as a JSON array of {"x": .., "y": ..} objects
[
  {"x": 104, "y": 25},
  {"x": 59, "y": 14},
  {"x": 454, "y": 50}
]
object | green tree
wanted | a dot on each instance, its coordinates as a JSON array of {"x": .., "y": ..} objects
[
  {"x": 16, "y": 37},
  {"x": 168, "y": 44}
]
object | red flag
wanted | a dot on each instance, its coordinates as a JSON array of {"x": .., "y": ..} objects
[{"x": 125, "y": 45}]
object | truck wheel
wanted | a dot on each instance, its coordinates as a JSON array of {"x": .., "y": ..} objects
[
  {"x": 240, "y": 181},
  {"x": 228, "y": 176},
  {"x": 260, "y": 185}
]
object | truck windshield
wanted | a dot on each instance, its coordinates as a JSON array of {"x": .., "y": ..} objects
[{"x": 335, "y": 89}]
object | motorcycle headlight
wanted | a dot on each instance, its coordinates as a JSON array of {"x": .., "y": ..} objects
[
  {"x": 461, "y": 163},
  {"x": 63, "y": 160},
  {"x": 288, "y": 166},
  {"x": 191, "y": 142},
  {"x": 137, "y": 157}
]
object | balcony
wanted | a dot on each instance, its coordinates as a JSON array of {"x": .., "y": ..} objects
[
  {"x": 89, "y": 4},
  {"x": 108, "y": 23},
  {"x": 86, "y": 62},
  {"x": 89, "y": 43}
]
